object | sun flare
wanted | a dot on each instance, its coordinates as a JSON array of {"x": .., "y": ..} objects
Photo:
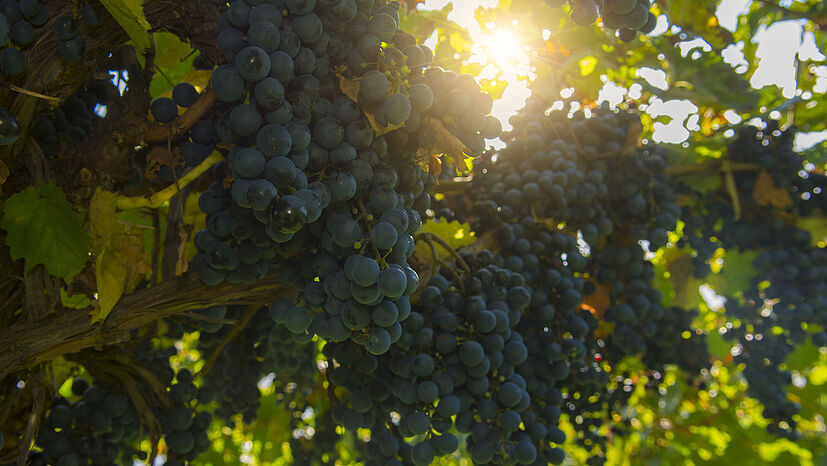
[{"x": 502, "y": 48}]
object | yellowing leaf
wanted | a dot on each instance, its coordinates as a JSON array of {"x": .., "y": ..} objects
[
  {"x": 766, "y": 194},
  {"x": 130, "y": 15},
  {"x": 447, "y": 143},
  {"x": 350, "y": 87},
  {"x": 121, "y": 260},
  {"x": 598, "y": 302},
  {"x": 454, "y": 233},
  {"x": 587, "y": 66}
]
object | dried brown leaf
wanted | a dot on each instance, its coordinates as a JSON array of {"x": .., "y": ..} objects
[{"x": 767, "y": 194}]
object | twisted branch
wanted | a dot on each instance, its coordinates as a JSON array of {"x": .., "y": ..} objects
[{"x": 23, "y": 345}]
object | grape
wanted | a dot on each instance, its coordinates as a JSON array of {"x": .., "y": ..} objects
[
  {"x": 22, "y": 33},
  {"x": 621, "y": 7},
  {"x": 471, "y": 353},
  {"x": 384, "y": 235},
  {"x": 227, "y": 84},
  {"x": 260, "y": 195},
  {"x": 378, "y": 341},
  {"x": 265, "y": 35},
  {"x": 328, "y": 132},
  {"x": 385, "y": 314},
  {"x": 362, "y": 270},
  {"x": 5, "y": 30},
  {"x": 584, "y": 13},
  {"x": 12, "y": 61},
  {"x": 290, "y": 43},
  {"x": 238, "y": 14},
  {"x": 184, "y": 95},
  {"x": 392, "y": 282},
  {"x": 266, "y": 12},
  {"x": 289, "y": 213},
  {"x": 423, "y": 453},
  {"x": 252, "y": 63},
  {"x": 383, "y": 26},
  {"x": 301, "y": 7},
  {"x": 308, "y": 28},
  {"x": 230, "y": 42},
  {"x": 342, "y": 186},
  {"x": 422, "y": 97},
  {"x": 66, "y": 27},
  {"x": 89, "y": 13},
  {"x": 297, "y": 320},
  {"x": 245, "y": 120},
  {"x": 164, "y": 110},
  {"x": 9, "y": 127},
  {"x": 373, "y": 85},
  {"x": 275, "y": 141}
]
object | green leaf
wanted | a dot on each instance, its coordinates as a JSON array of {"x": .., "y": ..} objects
[
  {"x": 130, "y": 15},
  {"x": 737, "y": 274},
  {"x": 43, "y": 229},
  {"x": 174, "y": 58},
  {"x": 76, "y": 301}
]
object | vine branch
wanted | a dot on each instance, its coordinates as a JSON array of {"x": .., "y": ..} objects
[
  {"x": 154, "y": 201},
  {"x": 23, "y": 345},
  {"x": 182, "y": 124}
]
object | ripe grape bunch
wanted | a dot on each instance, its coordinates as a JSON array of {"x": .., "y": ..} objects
[
  {"x": 457, "y": 364},
  {"x": 787, "y": 294},
  {"x": 628, "y": 17},
  {"x": 69, "y": 125},
  {"x": 309, "y": 180}
]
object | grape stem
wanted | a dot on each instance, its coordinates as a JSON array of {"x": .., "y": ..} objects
[
  {"x": 33, "y": 94},
  {"x": 196, "y": 316},
  {"x": 154, "y": 201},
  {"x": 251, "y": 311},
  {"x": 182, "y": 124},
  {"x": 428, "y": 236},
  {"x": 712, "y": 165}
]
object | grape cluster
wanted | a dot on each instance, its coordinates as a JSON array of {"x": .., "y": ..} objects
[
  {"x": 788, "y": 293},
  {"x": 261, "y": 348},
  {"x": 185, "y": 431},
  {"x": 628, "y": 17},
  {"x": 454, "y": 101},
  {"x": 197, "y": 144},
  {"x": 309, "y": 176},
  {"x": 71, "y": 46},
  {"x": 712, "y": 224},
  {"x": 581, "y": 172},
  {"x": 18, "y": 20},
  {"x": 457, "y": 365},
  {"x": 570, "y": 198},
  {"x": 97, "y": 428},
  {"x": 74, "y": 121}
]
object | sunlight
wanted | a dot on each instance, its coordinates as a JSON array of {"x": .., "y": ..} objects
[{"x": 500, "y": 48}]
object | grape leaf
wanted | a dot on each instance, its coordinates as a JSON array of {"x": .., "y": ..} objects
[
  {"x": 130, "y": 15},
  {"x": 767, "y": 194},
  {"x": 121, "y": 260},
  {"x": 76, "y": 301},
  {"x": 43, "y": 229},
  {"x": 454, "y": 233},
  {"x": 737, "y": 274}
]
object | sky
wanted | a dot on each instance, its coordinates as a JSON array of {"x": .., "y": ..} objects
[{"x": 777, "y": 49}]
